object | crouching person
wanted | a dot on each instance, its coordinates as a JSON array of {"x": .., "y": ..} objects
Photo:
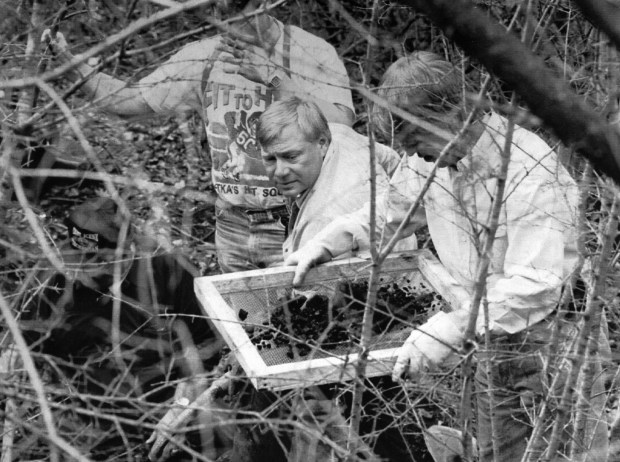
[
  {"x": 533, "y": 254},
  {"x": 322, "y": 169}
]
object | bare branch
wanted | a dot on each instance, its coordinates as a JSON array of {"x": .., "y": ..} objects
[
  {"x": 35, "y": 379},
  {"x": 548, "y": 97}
]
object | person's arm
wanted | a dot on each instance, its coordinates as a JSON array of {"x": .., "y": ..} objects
[
  {"x": 174, "y": 87},
  {"x": 540, "y": 215},
  {"x": 539, "y": 208},
  {"x": 316, "y": 73},
  {"x": 339, "y": 237},
  {"x": 113, "y": 95},
  {"x": 387, "y": 158},
  {"x": 352, "y": 231}
]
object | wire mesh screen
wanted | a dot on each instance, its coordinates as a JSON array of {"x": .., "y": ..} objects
[{"x": 325, "y": 320}]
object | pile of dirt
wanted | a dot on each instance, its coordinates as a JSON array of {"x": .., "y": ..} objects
[{"x": 304, "y": 323}]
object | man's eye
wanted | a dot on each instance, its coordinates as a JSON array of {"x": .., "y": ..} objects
[{"x": 269, "y": 160}]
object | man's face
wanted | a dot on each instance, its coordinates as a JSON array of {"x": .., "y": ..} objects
[{"x": 294, "y": 163}]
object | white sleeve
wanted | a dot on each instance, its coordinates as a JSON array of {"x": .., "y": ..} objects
[
  {"x": 352, "y": 231},
  {"x": 387, "y": 158},
  {"x": 540, "y": 216}
]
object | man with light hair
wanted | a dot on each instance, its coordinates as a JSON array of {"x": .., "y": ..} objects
[
  {"x": 322, "y": 169},
  {"x": 533, "y": 251},
  {"x": 230, "y": 79}
]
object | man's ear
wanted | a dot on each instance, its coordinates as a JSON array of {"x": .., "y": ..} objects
[{"x": 323, "y": 145}]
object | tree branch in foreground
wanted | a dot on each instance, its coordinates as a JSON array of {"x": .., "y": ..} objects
[
  {"x": 604, "y": 15},
  {"x": 547, "y": 96}
]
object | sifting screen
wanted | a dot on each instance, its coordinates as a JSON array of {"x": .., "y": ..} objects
[{"x": 274, "y": 320}]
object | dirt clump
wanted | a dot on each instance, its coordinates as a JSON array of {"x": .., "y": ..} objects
[{"x": 304, "y": 323}]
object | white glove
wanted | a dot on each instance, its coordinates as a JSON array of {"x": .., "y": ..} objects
[
  {"x": 429, "y": 345},
  {"x": 305, "y": 258}
]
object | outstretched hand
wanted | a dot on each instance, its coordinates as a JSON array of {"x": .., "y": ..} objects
[
  {"x": 305, "y": 258},
  {"x": 428, "y": 346}
]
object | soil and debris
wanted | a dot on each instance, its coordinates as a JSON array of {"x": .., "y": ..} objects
[{"x": 305, "y": 323}]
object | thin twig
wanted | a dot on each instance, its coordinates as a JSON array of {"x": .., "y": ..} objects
[
  {"x": 373, "y": 280},
  {"x": 135, "y": 27},
  {"x": 593, "y": 306}
]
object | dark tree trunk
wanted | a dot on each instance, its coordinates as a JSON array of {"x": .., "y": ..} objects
[
  {"x": 547, "y": 96},
  {"x": 603, "y": 14}
]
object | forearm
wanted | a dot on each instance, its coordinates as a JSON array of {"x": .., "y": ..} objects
[
  {"x": 343, "y": 235},
  {"x": 516, "y": 303},
  {"x": 527, "y": 287},
  {"x": 109, "y": 93},
  {"x": 540, "y": 254},
  {"x": 352, "y": 231}
]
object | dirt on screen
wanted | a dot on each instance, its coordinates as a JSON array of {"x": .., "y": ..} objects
[{"x": 304, "y": 322}]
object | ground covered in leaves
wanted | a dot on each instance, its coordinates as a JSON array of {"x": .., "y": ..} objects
[{"x": 98, "y": 407}]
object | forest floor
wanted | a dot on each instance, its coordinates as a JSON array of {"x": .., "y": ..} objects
[{"x": 151, "y": 150}]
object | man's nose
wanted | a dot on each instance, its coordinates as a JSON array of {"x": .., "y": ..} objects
[{"x": 281, "y": 169}]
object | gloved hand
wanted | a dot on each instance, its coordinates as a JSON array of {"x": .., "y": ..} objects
[
  {"x": 305, "y": 258},
  {"x": 429, "y": 345}
]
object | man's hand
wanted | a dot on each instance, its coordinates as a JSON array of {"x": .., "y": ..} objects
[
  {"x": 305, "y": 258},
  {"x": 428, "y": 346},
  {"x": 246, "y": 59}
]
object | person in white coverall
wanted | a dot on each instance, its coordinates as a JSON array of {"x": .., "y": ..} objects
[{"x": 533, "y": 253}]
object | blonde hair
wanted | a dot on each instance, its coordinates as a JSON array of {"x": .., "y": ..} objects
[
  {"x": 304, "y": 115},
  {"x": 421, "y": 80}
]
